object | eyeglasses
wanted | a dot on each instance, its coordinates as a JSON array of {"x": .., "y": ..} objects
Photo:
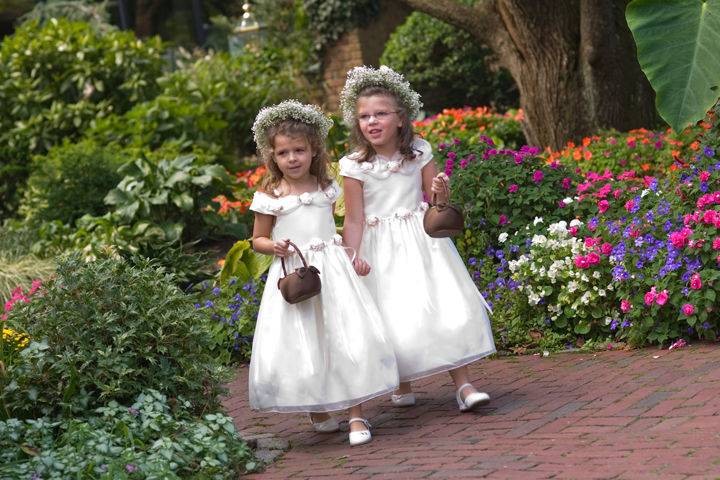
[{"x": 381, "y": 115}]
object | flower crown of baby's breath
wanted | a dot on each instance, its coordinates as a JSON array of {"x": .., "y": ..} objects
[
  {"x": 288, "y": 110},
  {"x": 360, "y": 78}
]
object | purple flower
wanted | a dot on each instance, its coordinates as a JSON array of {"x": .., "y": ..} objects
[
  {"x": 209, "y": 304},
  {"x": 130, "y": 468},
  {"x": 614, "y": 325},
  {"x": 472, "y": 261},
  {"x": 709, "y": 152},
  {"x": 706, "y": 326}
]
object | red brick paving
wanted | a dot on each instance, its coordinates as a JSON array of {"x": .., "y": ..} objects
[{"x": 609, "y": 415}]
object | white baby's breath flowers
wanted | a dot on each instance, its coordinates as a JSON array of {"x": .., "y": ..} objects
[
  {"x": 360, "y": 78},
  {"x": 502, "y": 237},
  {"x": 288, "y": 110},
  {"x": 537, "y": 220}
]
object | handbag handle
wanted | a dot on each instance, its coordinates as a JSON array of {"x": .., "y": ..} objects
[
  {"x": 302, "y": 259},
  {"x": 447, "y": 191}
]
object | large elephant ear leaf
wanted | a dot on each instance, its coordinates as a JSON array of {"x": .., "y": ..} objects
[{"x": 678, "y": 46}]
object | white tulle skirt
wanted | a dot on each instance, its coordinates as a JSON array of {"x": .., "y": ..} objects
[
  {"x": 327, "y": 353},
  {"x": 434, "y": 314}
]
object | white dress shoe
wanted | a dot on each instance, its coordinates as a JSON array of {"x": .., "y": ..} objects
[
  {"x": 363, "y": 436},
  {"x": 328, "y": 426},
  {"x": 472, "y": 400},
  {"x": 403, "y": 400}
]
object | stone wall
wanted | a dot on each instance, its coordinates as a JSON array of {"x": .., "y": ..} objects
[{"x": 362, "y": 46}]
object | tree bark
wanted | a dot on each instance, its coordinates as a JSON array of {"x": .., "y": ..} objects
[
  {"x": 144, "y": 13},
  {"x": 574, "y": 62}
]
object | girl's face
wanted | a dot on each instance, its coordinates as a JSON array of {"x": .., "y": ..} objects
[
  {"x": 293, "y": 156},
  {"x": 379, "y": 121}
]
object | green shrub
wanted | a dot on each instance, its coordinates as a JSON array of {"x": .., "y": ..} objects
[
  {"x": 447, "y": 66},
  {"x": 149, "y": 439},
  {"x": 70, "y": 181},
  {"x": 56, "y": 81},
  {"x": 108, "y": 330},
  {"x": 504, "y": 190},
  {"x": 330, "y": 19},
  {"x": 212, "y": 102}
]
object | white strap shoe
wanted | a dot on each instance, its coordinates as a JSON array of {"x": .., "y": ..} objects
[
  {"x": 472, "y": 400},
  {"x": 403, "y": 399},
  {"x": 327, "y": 426},
  {"x": 361, "y": 437}
]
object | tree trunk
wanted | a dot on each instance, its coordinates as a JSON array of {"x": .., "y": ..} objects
[
  {"x": 144, "y": 13},
  {"x": 574, "y": 62}
]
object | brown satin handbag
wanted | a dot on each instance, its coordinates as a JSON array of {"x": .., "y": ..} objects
[
  {"x": 300, "y": 285},
  {"x": 443, "y": 219}
]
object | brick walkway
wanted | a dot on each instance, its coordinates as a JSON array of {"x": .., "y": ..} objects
[{"x": 572, "y": 416}]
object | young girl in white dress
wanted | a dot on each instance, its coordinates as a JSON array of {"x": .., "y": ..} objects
[
  {"x": 329, "y": 352},
  {"x": 433, "y": 312}
]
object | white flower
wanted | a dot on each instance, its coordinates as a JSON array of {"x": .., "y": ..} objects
[
  {"x": 601, "y": 292},
  {"x": 289, "y": 109},
  {"x": 331, "y": 191},
  {"x": 360, "y": 78},
  {"x": 274, "y": 207},
  {"x": 572, "y": 286},
  {"x": 403, "y": 213},
  {"x": 539, "y": 239},
  {"x": 502, "y": 237},
  {"x": 372, "y": 220},
  {"x": 337, "y": 239},
  {"x": 305, "y": 198},
  {"x": 393, "y": 166},
  {"x": 567, "y": 200},
  {"x": 596, "y": 274},
  {"x": 575, "y": 223},
  {"x": 537, "y": 220},
  {"x": 317, "y": 245},
  {"x": 644, "y": 192}
]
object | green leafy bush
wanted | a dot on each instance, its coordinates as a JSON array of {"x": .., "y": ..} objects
[
  {"x": 212, "y": 102},
  {"x": 59, "y": 79},
  {"x": 504, "y": 190},
  {"x": 71, "y": 181},
  {"x": 107, "y": 330},
  {"x": 332, "y": 18},
  {"x": 447, "y": 66},
  {"x": 149, "y": 439}
]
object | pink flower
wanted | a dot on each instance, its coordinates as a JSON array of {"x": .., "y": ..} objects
[
  {"x": 625, "y": 305},
  {"x": 503, "y": 219},
  {"x": 590, "y": 242},
  {"x": 573, "y": 231},
  {"x": 617, "y": 193},
  {"x": 709, "y": 217},
  {"x": 513, "y": 188},
  {"x": 582, "y": 261},
  {"x": 629, "y": 205},
  {"x": 566, "y": 183},
  {"x": 650, "y": 297},
  {"x": 704, "y": 176},
  {"x": 603, "y": 205},
  {"x": 538, "y": 175},
  {"x": 593, "y": 258},
  {"x": 661, "y": 297},
  {"x": 695, "y": 281},
  {"x": 688, "y": 309},
  {"x": 716, "y": 243},
  {"x": 606, "y": 248}
]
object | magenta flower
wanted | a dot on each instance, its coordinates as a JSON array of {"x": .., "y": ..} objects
[
  {"x": 695, "y": 281},
  {"x": 650, "y": 297},
  {"x": 538, "y": 176},
  {"x": 716, "y": 243},
  {"x": 573, "y": 231},
  {"x": 688, "y": 309},
  {"x": 513, "y": 188},
  {"x": 606, "y": 248},
  {"x": 593, "y": 258},
  {"x": 582, "y": 261},
  {"x": 503, "y": 219},
  {"x": 603, "y": 205},
  {"x": 704, "y": 176},
  {"x": 625, "y": 305},
  {"x": 662, "y": 297},
  {"x": 566, "y": 183},
  {"x": 629, "y": 205}
]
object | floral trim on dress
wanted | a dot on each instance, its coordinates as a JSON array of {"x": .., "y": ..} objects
[
  {"x": 264, "y": 203},
  {"x": 381, "y": 167},
  {"x": 400, "y": 214}
]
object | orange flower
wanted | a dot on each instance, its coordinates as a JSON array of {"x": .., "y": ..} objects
[{"x": 588, "y": 154}]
